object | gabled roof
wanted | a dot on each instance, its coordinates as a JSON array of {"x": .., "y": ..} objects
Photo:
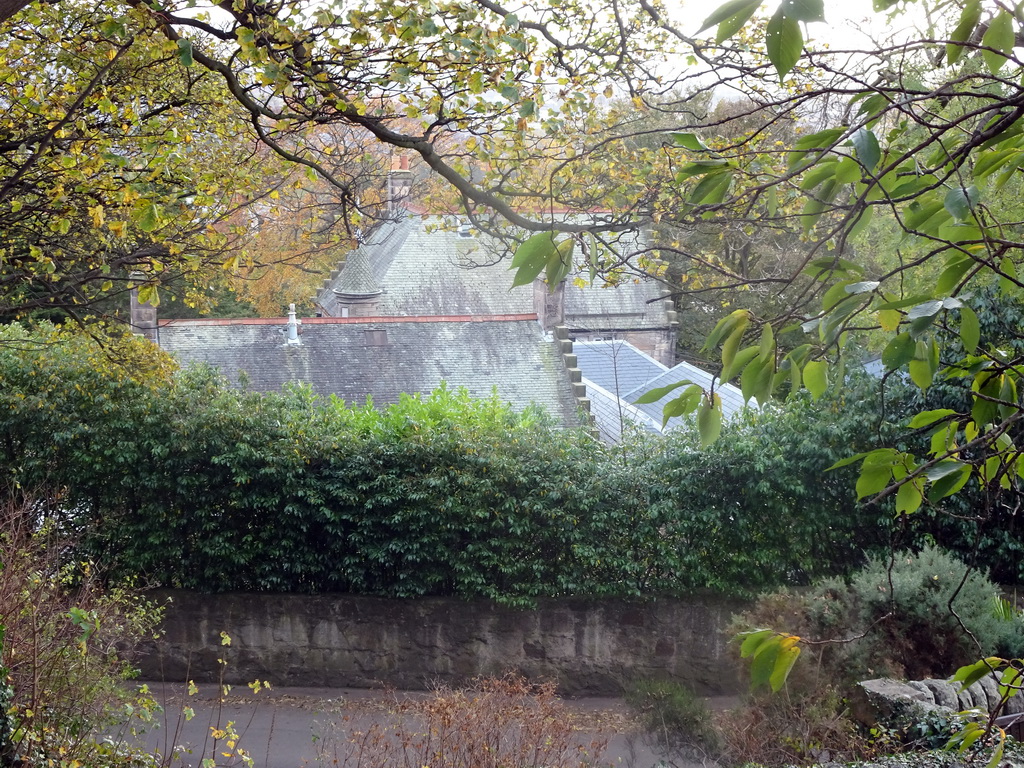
[
  {"x": 616, "y": 368},
  {"x": 385, "y": 357}
]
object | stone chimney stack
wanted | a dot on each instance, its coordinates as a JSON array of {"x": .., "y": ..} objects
[
  {"x": 143, "y": 316},
  {"x": 399, "y": 185}
]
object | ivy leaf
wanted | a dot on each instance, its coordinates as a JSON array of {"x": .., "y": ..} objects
[{"x": 784, "y": 42}]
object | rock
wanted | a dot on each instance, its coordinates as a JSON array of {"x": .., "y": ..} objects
[
  {"x": 991, "y": 688},
  {"x": 885, "y": 701},
  {"x": 978, "y": 696},
  {"x": 944, "y": 693}
]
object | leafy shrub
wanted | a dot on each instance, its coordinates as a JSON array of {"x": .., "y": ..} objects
[
  {"x": 187, "y": 482},
  {"x": 64, "y": 649},
  {"x": 894, "y": 618},
  {"x": 675, "y": 715},
  {"x": 790, "y": 728},
  {"x": 923, "y": 616}
]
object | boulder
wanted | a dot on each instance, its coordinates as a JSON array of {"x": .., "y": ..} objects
[
  {"x": 891, "y": 702},
  {"x": 943, "y": 692}
]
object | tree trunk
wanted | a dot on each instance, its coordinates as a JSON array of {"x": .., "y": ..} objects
[{"x": 10, "y": 7}]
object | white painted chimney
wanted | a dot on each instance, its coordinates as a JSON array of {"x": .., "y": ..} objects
[{"x": 293, "y": 326}]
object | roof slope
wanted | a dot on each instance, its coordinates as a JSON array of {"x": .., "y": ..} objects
[
  {"x": 732, "y": 398},
  {"x": 616, "y": 368},
  {"x": 616, "y": 365},
  {"x": 425, "y": 267},
  {"x": 385, "y": 357}
]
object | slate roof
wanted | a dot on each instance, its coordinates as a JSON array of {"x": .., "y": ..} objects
[
  {"x": 384, "y": 357},
  {"x": 424, "y": 270},
  {"x": 613, "y": 415},
  {"x": 427, "y": 268},
  {"x": 616, "y": 367},
  {"x": 732, "y": 398},
  {"x": 629, "y": 305}
]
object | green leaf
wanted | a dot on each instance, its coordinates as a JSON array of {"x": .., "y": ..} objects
[
  {"x": 709, "y": 421},
  {"x": 944, "y": 468},
  {"x": 899, "y": 351},
  {"x": 866, "y": 144},
  {"x": 805, "y": 10},
  {"x": 970, "y": 329},
  {"x": 872, "y": 480},
  {"x": 847, "y": 461},
  {"x": 909, "y": 497},
  {"x": 560, "y": 263},
  {"x": 712, "y": 189},
  {"x": 686, "y": 403},
  {"x": 953, "y": 274},
  {"x": 970, "y": 674},
  {"x": 725, "y": 328},
  {"x": 784, "y": 661},
  {"x": 806, "y": 148},
  {"x": 998, "y": 37},
  {"x": 816, "y": 378},
  {"x": 969, "y": 18},
  {"x": 148, "y": 294},
  {"x": 960, "y": 202},
  {"x": 654, "y": 395},
  {"x": 784, "y": 42},
  {"x": 756, "y": 381},
  {"x": 148, "y": 217},
  {"x": 949, "y": 484},
  {"x": 739, "y": 361},
  {"x": 730, "y": 17},
  {"x": 925, "y": 309},
  {"x": 689, "y": 141},
  {"x": 753, "y": 640},
  {"x": 699, "y": 168},
  {"x": 924, "y": 365},
  {"x": 927, "y": 418},
  {"x": 829, "y": 266},
  {"x": 532, "y": 256},
  {"x": 185, "y": 51}
]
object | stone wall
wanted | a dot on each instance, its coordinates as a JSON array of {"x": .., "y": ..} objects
[{"x": 588, "y": 647}]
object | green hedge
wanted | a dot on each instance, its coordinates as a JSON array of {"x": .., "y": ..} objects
[{"x": 190, "y": 483}]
